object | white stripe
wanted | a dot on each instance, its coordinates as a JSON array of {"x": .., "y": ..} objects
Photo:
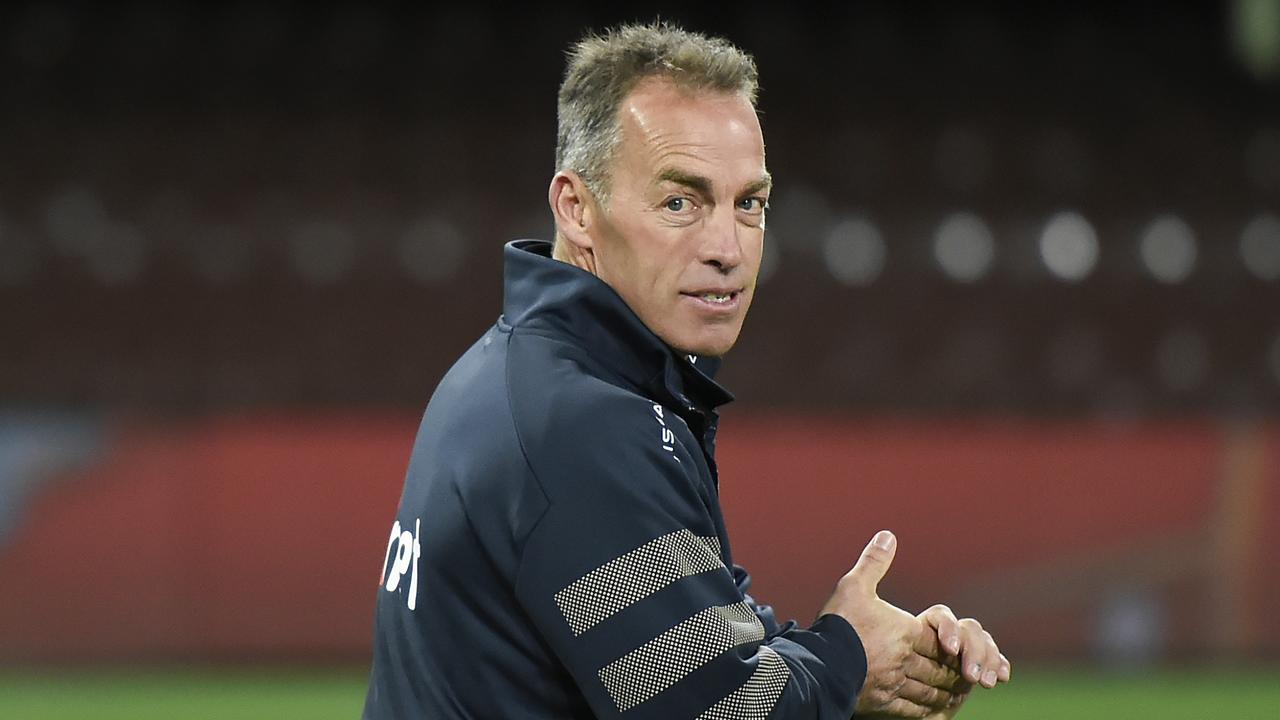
[
  {"x": 665, "y": 660},
  {"x": 756, "y": 698},
  {"x": 626, "y": 580}
]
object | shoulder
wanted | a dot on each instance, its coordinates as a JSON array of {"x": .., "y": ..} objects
[
  {"x": 560, "y": 389},
  {"x": 580, "y": 429}
]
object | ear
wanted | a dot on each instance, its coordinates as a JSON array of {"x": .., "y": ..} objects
[{"x": 573, "y": 208}]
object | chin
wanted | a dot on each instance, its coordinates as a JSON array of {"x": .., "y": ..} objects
[{"x": 708, "y": 346}]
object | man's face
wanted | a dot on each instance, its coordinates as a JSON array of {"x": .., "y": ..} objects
[{"x": 682, "y": 236}]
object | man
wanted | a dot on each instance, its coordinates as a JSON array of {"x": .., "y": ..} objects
[{"x": 559, "y": 551}]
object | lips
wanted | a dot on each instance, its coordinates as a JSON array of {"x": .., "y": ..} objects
[
  {"x": 714, "y": 294},
  {"x": 715, "y": 298}
]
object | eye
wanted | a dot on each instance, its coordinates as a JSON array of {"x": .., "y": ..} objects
[
  {"x": 752, "y": 204},
  {"x": 677, "y": 204}
]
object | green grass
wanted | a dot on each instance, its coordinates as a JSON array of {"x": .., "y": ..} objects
[
  {"x": 1040, "y": 693},
  {"x": 182, "y": 695},
  {"x": 1189, "y": 694}
]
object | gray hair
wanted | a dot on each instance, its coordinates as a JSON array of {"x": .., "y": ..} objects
[{"x": 603, "y": 69}]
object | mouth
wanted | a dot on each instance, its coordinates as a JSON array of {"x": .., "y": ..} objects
[{"x": 721, "y": 299}]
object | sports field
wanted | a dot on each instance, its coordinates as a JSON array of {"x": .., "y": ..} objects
[{"x": 1035, "y": 694}]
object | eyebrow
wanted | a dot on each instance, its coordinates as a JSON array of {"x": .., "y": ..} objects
[
  {"x": 694, "y": 182},
  {"x": 764, "y": 183},
  {"x": 703, "y": 185}
]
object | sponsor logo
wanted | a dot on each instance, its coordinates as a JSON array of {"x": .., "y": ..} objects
[{"x": 407, "y": 551}]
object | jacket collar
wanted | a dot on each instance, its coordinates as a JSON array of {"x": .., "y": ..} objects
[{"x": 544, "y": 295}]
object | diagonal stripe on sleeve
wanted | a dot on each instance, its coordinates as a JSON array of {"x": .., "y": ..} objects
[
  {"x": 626, "y": 580},
  {"x": 663, "y": 661},
  {"x": 755, "y": 699}
]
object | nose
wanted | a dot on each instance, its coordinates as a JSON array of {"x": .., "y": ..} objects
[{"x": 721, "y": 245}]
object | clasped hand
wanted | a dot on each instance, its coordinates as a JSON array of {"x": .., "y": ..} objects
[{"x": 918, "y": 666}]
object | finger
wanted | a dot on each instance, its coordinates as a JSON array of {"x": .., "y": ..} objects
[
  {"x": 945, "y": 625},
  {"x": 904, "y": 708},
  {"x": 927, "y": 695},
  {"x": 991, "y": 666},
  {"x": 979, "y": 672},
  {"x": 1006, "y": 668},
  {"x": 933, "y": 673},
  {"x": 979, "y": 654},
  {"x": 927, "y": 643},
  {"x": 874, "y": 562},
  {"x": 972, "y": 652}
]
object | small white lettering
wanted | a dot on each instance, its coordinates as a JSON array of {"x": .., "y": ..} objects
[{"x": 668, "y": 437}]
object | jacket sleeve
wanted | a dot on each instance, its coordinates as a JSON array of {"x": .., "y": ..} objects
[
  {"x": 763, "y": 612},
  {"x": 624, "y": 579}
]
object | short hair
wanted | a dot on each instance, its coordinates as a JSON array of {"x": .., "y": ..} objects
[{"x": 603, "y": 69}]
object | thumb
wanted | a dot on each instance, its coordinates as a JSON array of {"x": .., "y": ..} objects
[{"x": 875, "y": 561}]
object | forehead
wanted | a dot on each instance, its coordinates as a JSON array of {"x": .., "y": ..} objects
[{"x": 712, "y": 132}]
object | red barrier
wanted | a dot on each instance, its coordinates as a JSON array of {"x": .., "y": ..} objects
[
  {"x": 262, "y": 536},
  {"x": 1027, "y": 526},
  {"x": 232, "y": 536}
]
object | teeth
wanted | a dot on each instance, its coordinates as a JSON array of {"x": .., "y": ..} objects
[{"x": 713, "y": 297}]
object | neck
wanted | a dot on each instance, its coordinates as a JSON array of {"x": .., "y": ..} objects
[{"x": 581, "y": 258}]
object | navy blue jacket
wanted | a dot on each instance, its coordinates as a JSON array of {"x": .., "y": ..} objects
[{"x": 559, "y": 550}]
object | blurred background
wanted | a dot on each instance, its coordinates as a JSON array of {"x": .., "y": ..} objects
[{"x": 1020, "y": 303}]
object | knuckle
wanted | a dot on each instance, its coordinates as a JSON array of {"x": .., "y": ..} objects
[
  {"x": 847, "y": 585},
  {"x": 906, "y": 709}
]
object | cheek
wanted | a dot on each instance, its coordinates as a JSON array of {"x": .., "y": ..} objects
[
  {"x": 648, "y": 264},
  {"x": 753, "y": 250},
  {"x": 664, "y": 260},
  {"x": 662, "y": 279},
  {"x": 645, "y": 270}
]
